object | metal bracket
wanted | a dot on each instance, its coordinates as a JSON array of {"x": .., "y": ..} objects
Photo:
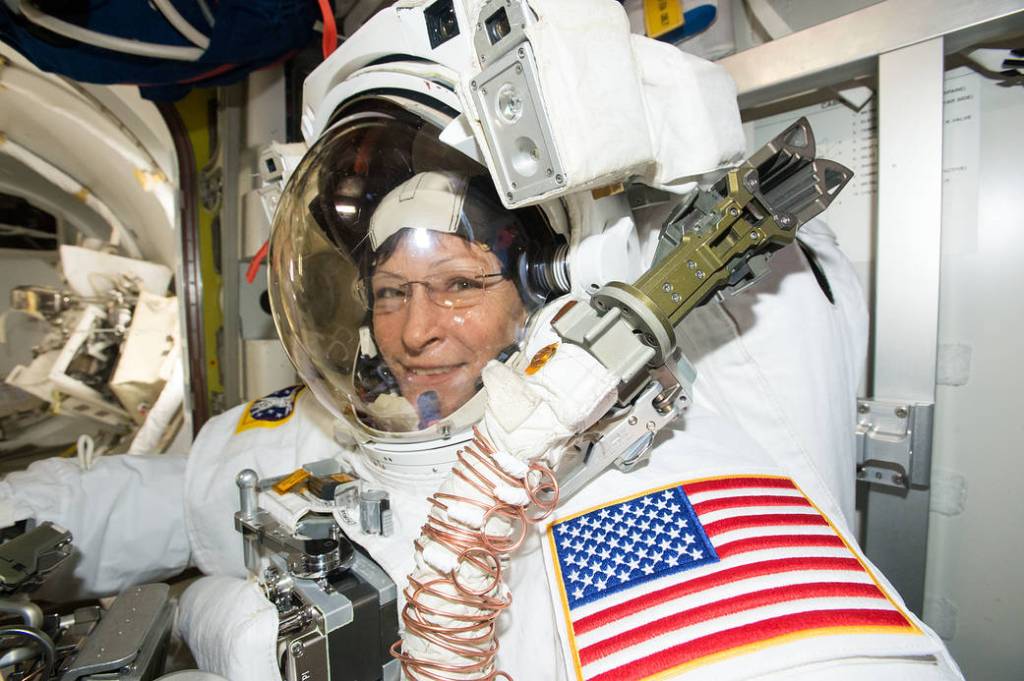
[
  {"x": 625, "y": 440},
  {"x": 894, "y": 443},
  {"x": 123, "y": 645},
  {"x": 27, "y": 559}
]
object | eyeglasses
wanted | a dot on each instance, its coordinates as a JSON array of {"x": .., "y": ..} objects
[{"x": 451, "y": 289}]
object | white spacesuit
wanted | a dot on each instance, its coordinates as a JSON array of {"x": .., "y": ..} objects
[
  {"x": 418, "y": 253},
  {"x": 819, "y": 341}
]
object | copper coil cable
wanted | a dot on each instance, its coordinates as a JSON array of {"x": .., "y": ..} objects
[{"x": 448, "y": 613}]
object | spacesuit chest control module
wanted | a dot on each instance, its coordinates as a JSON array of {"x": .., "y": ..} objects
[{"x": 337, "y": 608}]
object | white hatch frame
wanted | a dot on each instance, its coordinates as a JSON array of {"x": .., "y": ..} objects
[{"x": 903, "y": 43}]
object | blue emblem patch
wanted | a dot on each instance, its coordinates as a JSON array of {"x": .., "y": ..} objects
[{"x": 270, "y": 411}]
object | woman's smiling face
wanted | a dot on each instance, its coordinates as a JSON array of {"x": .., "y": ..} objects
[{"x": 440, "y": 313}]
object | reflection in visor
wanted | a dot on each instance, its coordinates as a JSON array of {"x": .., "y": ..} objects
[{"x": 428, "y": 405}]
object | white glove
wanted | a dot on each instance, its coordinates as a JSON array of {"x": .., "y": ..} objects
[
  {"x": 531, "y": 415},
  {"x": 231, "y": 628}
]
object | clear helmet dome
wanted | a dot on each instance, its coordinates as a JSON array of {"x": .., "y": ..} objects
[{"x": 396, "y": 274}]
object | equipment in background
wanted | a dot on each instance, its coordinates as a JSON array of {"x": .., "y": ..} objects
[
  {"x": 1002, "y": 62},
  {"x": 127, "y": 641},
  {"x": 110, "y": 351},
  {"x": 167, "y": 48},
  {"x": 337, "y": 609}
]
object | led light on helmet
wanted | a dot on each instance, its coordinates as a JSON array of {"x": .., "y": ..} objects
[{"x": 510, "y": 103}]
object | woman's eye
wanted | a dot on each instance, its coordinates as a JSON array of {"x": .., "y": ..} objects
[
  {"x": 388, "y": 292},
  {"x": 456, "y": 284}
]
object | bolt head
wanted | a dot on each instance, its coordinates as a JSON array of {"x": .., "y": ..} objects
[
  {"x": 863, "y": 408},
  {"x": 902, "y": 412},
  {"x": 297, "y": 648}
]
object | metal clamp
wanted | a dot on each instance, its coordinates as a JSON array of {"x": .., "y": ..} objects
[
  {"x": 129, "y": 642},
  {"x": 26, "y": 560},
  {"x": 625, "y": 440},
  {"x": 894, "y": 443}
]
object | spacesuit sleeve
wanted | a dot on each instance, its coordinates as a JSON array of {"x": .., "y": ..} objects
[
  {"x": 126, "y": 516},
  {"x": 782, "y": 360}
]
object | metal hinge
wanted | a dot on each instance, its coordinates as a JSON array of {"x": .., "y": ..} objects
[{"x": 894, "y": 443}]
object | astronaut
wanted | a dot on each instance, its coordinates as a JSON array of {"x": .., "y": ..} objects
[{"x": 420, "y": 255}]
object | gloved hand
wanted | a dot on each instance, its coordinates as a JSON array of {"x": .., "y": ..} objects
[
  {"x": 530, "y": 414},
  {"x": 231, "y": 628}
]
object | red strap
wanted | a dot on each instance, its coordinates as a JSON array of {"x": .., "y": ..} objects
[
  {"x": 330, "y": 40},
  {"x": 257, "y": 260}
]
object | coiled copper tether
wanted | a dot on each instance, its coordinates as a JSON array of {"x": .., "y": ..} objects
[{"x": 444, "y": 611}]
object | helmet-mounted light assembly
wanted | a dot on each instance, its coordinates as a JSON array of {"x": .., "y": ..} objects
[{"x": 508, "y": 99}]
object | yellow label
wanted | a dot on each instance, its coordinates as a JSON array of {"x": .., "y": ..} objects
[
  {"x": 608, "y": 190},
  {"x": 541, "y": 358},
  {"x": 289, "y": 483},
  {"x": 662, "y": 16},
  {"x": 149, "y": 180}
]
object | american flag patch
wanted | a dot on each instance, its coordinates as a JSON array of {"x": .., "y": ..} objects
[{"x": 707, "y": 570}]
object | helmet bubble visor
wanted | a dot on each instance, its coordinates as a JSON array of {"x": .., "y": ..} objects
[{"x": 396, "y": 274}]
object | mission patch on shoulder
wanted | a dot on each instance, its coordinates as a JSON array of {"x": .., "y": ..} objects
[
  {"x": 270, "y": 411},
  {"x": 664, "y": 582}
]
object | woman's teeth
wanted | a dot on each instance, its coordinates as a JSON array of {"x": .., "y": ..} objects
[{"x": 431, "y": 372}]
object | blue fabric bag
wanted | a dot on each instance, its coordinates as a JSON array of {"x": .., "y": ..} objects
[{"x": 164, "y": 46}]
